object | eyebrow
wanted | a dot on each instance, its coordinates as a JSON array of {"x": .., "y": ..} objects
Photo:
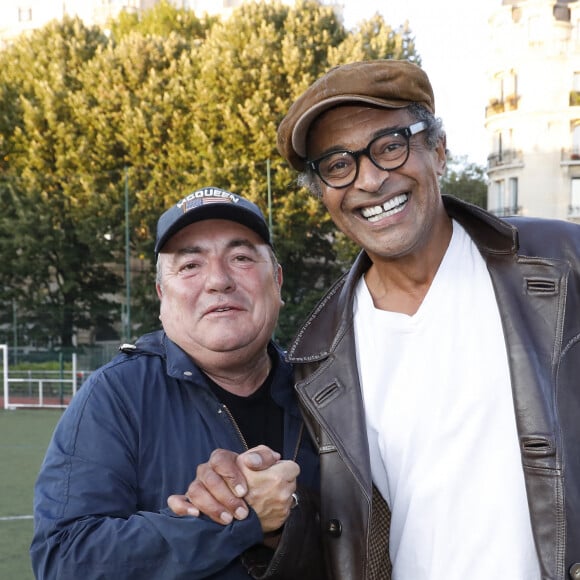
[
  {"x": 374, "y": 135},
  {"x": 232, "y": 244}
]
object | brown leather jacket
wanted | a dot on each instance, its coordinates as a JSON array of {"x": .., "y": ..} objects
[{"x": 535, "y": 270}]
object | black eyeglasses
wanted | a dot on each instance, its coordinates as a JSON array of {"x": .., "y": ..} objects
[{"x": 388, "y": 151}]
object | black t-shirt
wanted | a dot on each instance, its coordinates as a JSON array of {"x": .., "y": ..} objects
[{"x": 259, "y": 418}]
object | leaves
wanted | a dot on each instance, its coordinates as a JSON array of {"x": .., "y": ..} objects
[
  {"x": 466, "y": 181},
  {"x": 157, "y": 107}
]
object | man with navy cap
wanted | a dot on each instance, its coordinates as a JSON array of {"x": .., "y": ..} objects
[{"x": 141, "y": 426}]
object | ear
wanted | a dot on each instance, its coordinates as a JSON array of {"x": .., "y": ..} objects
[
  {"x": 159, "y": 291},
  {"x": 279, "y": 280},
  {"x": 441, "y": 152}
]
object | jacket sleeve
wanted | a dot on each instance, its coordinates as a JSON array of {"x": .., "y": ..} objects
[
  {"x": 88, "y": 521},
  {"x": 299, "y": 553}
]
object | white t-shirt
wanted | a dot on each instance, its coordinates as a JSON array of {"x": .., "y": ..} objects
[{"x": 441, "y": 428}]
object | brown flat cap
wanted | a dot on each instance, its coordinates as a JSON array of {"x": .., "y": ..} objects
[{"x": 386, "y": 83}]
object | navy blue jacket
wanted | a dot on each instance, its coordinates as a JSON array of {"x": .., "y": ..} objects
[{"x": 133, "y": 435}]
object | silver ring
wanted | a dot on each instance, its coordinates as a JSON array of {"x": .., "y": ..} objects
[{"x": 294, "y": 501}]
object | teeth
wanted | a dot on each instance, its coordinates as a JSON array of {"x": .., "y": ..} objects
[{"x": 390, "y": 207}]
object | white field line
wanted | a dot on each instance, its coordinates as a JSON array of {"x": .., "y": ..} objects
[{"x": 13, "y": 518}]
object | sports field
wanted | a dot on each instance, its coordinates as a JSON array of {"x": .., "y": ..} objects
[{"x": 24, "y": 436}]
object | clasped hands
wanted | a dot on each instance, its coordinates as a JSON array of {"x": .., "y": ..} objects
[{"x": 228, "y": 483}]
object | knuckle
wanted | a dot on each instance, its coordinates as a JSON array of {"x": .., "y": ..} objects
[
  {"x": 212, "y": 479},
  {"x": 232, "y": 503},
  {"x": 193, "y": 488},
  {"x": 201, "y": 469},
  {"x": 216, "y": 453}
]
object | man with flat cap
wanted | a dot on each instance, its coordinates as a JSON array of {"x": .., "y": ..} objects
[
  {"x": 440, "y": 376},
  {"x": 141, "y": 425}
]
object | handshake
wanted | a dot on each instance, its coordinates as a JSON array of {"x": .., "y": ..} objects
[{"x": 229, "y": 483}]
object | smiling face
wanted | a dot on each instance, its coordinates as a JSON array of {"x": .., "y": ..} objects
[
  {"x": 219, "y": 288},
  {"x": 391, "y": 214}
]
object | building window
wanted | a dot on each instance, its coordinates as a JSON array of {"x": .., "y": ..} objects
[
  {"x": 24, "y": 14},
  {"x": 512, "y": 205},
  {"x": 505, "y": 203},
  {"x": 534, "y": 30},
  {"x": 497, "y": 143},
  {"x": 496, "y": 158},
  {"x": 498, "y": 87},
  {"x": 575, "y": 92},
  {"x": 575, "y": 153},
  {"x": 575, "y": 197},
  {"x": 498, "y": 194},
  {"x": 511, "y": 91},
  {"x": 562, "y": 13},
  {"x": 513, "y": 82}
]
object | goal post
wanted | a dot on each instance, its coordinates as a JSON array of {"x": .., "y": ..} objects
[
  {"x": 4, "y": 349},
  {"x": 38, "y": 389}
]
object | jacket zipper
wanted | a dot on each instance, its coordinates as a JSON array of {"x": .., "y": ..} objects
[
  {"x": 244, "y": 442},
  {"x": 236, "y": 427}
]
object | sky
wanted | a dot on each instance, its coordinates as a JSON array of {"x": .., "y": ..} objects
[{"x": 451, "y": 38}]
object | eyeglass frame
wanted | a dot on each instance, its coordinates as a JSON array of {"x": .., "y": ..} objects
[{"x": 406, "y": 132}]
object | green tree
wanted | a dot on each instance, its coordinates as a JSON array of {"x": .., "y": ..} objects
[
  {"x": 162, "y": 20},
  {"x": 136, "y": 110},
  {"x": 373, "y": 39},
  {"x": 465, "y": 180},
  {"x": 162, "y": 106},
  {"x": 252, "y": 67},
  {"x": 51, "y": 268}
]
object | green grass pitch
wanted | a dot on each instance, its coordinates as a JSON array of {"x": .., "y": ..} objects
[{"x": 24, "y": 436}]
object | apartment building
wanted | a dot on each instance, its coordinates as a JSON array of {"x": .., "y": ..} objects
[{"x": 533, "y": 111}]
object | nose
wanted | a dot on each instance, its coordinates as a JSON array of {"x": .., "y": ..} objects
[
  {"x": 369, "y": 177},
  {"x": 218, "y": 277}
]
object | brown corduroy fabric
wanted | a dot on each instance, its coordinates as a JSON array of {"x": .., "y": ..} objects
[
  {"x": 384, "y": 83},
  {"x": 379, "y": 562}
]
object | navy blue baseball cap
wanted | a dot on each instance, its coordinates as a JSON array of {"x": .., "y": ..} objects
[{"x": 210, "y": 203}]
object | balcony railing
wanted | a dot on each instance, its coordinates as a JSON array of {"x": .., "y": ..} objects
[
  {"x": 571, "y": 156},
  {"x": 497, "y": 106},
  {"x": 511, "y": 102},
  {"x": 506, "y": 157}
]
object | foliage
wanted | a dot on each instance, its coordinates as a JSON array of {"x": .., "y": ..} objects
[
  {"x": 49, "y": 262},
  {"x": 465, "y": 180},
  {"x": 163, "y": 20},
  {"x": 160, "y": 106},
  {"x": 137, "y": 111},
  {"x": 373, "y": 39}
]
